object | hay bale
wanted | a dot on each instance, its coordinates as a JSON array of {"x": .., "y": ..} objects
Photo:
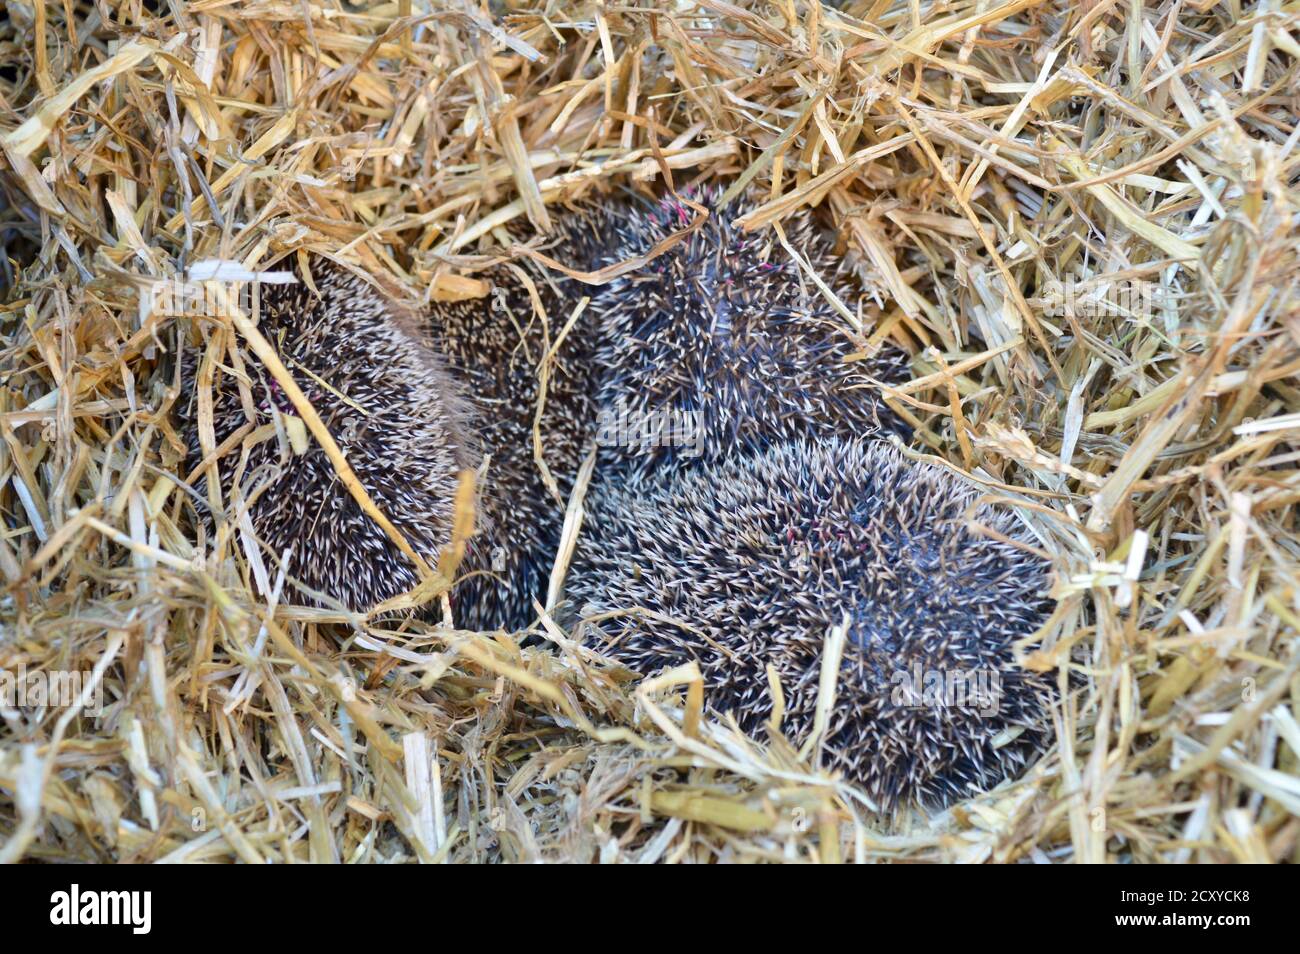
[{"x": 1080, "y": 219}]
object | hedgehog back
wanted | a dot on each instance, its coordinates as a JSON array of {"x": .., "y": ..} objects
[
  {"x": 388, "y": 401},
  {"x": 764, "y": 553},
  {"x": 495, "y": 346},
  {"x": 723, "y": 344}
]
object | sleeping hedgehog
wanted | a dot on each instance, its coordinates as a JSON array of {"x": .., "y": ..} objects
[
  {"x": 748, "y": 562},
  {"x": 411, "y": 400},
  {"x": 375, "y": 379}
]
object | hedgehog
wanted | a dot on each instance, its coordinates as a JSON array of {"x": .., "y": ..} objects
[
  {"x": 748, "y": 561},
  {"x": 495, "y": 346},
  {"x": 373, "y": 375},
  {"x": 724, "y": 344},
  {"x": 412, "y": 398}
]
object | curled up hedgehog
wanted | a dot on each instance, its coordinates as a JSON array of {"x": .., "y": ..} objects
[
  {"x": 412, "y": 398},
  {"x": 745, "y": 499},
  {"x": 725, "y": 344},
  {"x": 749, "y": 561},
  {"x": 374, "y": 377}
]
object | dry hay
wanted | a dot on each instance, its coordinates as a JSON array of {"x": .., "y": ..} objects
[{"x": 1002, "y": 173}]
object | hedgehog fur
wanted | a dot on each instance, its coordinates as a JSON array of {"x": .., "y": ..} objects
[
  {"x": 387, "y": 398},
  {"x": 723, "y": 344},
  {"x": 495, "y": 347},
  {"x": 762, "y": 553}
]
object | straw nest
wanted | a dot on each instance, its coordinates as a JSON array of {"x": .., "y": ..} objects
[{"x": 1003, "y": 175}]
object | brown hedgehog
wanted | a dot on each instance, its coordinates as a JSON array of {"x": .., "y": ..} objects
[
  {"x": 759, "y": 555},
  {"x": 723, "y": 344},
  {"x": 411, "y": 400},
  {"x": 495, "y": 347},
  {"x": 391, "y": 405}
]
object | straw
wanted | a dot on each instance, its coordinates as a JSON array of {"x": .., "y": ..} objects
[{"x": 1079, "y": 219}]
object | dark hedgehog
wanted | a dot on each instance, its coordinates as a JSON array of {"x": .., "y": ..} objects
[
  {"x": 495, "y": 347},
  {"x": 389, "y": 402},
  {"x": 411, "y": 400},
  {"x": 724, "y": 344},
  {"x": 763, "y": 553}
]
